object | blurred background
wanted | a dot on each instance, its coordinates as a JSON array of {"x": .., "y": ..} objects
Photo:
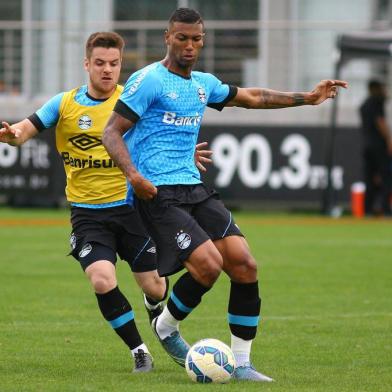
[{"x": 287, "y": 158}]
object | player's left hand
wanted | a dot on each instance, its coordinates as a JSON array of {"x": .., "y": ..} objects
[
  {"x": 326, "y": 89},
  {"x": 202, "y": 156}
]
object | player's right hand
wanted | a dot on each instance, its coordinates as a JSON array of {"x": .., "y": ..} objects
[
  {"x": 143, "y": 188},
  {"x": 9, "y": 134},
  {"x": 326, "y": 89}
]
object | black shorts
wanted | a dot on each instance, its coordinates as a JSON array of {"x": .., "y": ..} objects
[
  {"x": 181, "y": 218},
  {"x": 98, "y": 234}
]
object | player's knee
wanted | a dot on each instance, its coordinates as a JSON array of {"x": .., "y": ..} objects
[
  {"x": 243, "y": 269},
  {"x": 252, "y": 270},
  {"x": 250, "y": 264},
  {"x": 212, "y": 267},
  {"x": 102, "y": 283},
  {"x": 212, "y": 274},
  {"x": 205, "y": 264}
]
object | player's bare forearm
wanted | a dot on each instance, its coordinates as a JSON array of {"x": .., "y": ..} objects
[
  {"x": 115, "y": 146},
  {"x": 262, "y": 98},
  {"x": 271, "y": 99}
]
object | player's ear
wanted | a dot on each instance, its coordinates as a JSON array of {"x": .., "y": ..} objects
[
  {"x": 203, "y": 36},
  {"x": 85, "y": 63},
  {"x": 166, "y": 35}
]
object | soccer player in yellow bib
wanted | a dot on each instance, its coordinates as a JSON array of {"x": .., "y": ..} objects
[{"x": 103, "y": 223}]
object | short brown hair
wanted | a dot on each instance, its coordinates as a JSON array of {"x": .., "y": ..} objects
[{"x": 104, "y": 39}]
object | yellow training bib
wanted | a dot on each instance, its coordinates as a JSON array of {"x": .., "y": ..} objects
[{"x": 92, "y": 176}]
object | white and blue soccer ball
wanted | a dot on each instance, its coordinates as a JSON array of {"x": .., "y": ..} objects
[{"x": 210, "y": 360}]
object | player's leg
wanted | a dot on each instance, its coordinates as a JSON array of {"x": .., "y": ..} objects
[
  {"x": 136, "y": 247},
  {"x": 244, "y": 303},
  {"x": 97, "y": 258},
  {"x": 155, "y": 289},
  {"x": 115, "y": 307},
  {"x": 153, "y": 286},
  {"x": 238, "y": 263},
  {"x": 180, "y": 242},
  {"x": 204, "y": 266}
]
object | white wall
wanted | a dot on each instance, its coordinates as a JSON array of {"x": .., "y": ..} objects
[{"x": 63, "y": 45}]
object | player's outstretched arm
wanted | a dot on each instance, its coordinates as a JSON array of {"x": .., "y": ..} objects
[
  {"x": 261, "y": 98},
  {"x": 116, "y": 148},
  {"x": 17, "y": 134},
  {"x": 202, "y": 156}
]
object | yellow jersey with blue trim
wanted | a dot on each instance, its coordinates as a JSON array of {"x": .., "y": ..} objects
[{"x": 92, "y": 176}]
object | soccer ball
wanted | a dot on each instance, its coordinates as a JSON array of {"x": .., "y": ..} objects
[{"x": 210, "y": 360}]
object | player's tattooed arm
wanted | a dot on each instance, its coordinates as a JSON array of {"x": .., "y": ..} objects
[
  {"x": 116, "y": 148},
  {"x": 271, "y": 99},
  {"x": 261, "y": 98}
]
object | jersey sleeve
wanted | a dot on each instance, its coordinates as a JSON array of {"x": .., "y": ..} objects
[
  {"x": 48, "y": 115},
  {"x": 220, "y": 93},
  {"x": 139, "y": 93}
]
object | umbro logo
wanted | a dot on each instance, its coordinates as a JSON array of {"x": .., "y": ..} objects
[
  {"x": 151, "y": 250},
  {"x": 85, "y": 142},
  {"x": 172, "y": 95}
]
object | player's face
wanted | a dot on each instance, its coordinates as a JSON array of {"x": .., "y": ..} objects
[
  {"x": 184, "y": 42},
  {"x": 103, "y": 67}
]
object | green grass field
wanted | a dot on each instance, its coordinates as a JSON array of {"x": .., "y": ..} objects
[{"x": 327, "y": 310}]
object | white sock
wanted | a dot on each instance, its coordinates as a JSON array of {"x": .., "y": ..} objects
[
  {"x": 141, "y": 347},
  {"x": 148, "y": 305},
  {"x": 241, "y": 350},
  {"x": 166, "y": 324}
]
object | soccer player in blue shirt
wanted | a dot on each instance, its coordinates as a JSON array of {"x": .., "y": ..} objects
[{"x": 151, "y": 136}]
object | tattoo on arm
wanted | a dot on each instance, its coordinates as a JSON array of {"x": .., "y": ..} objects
[
  {"x": 271, "y": 99},
  {"x": 119, "y": 154},
  {"x": 299, "y": 99}
]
